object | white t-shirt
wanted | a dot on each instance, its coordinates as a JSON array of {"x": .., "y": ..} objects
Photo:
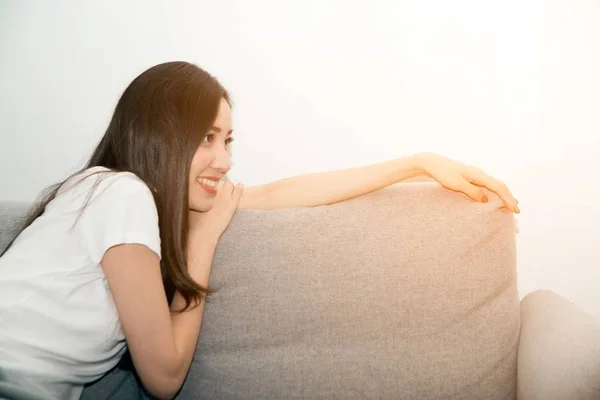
[{"x": 59, "y": 328}]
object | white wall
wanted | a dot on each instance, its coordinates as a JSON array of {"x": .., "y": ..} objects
[{"x": 509, "y": 85}]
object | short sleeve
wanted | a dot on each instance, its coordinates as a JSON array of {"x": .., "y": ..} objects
[{"x": 121, "y": 210}]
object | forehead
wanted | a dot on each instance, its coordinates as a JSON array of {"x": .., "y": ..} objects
[
  {"x": 224, "y": 112},
  {"x": 223, "y": 120}
]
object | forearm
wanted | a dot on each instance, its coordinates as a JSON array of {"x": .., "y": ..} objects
[
  {"x": 335, "y": 186},
  {"x": 186, "y": 325}
]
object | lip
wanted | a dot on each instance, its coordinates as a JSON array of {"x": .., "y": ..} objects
[{"x": 207, "y": 188}]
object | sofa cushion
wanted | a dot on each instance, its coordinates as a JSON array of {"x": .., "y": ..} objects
[
  {"x": 12, "y": 216},
  {"x": 407, "y": 292}
]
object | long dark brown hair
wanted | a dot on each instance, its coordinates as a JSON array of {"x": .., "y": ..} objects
[{"x": 157, "y": 126}]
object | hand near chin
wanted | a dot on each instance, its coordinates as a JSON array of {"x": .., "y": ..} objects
[{"x": 208, "y": 226}]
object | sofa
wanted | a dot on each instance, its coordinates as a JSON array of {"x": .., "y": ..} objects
[{"x": 408, "y": 292}]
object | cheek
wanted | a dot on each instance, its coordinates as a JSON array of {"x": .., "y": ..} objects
[{"x": 200, "y": 161}]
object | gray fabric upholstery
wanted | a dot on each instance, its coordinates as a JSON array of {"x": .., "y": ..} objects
[
  {"x": 408, "y": 292},
  {"x": 12, "y": 215},
  {"x": 559, "y": 350}
]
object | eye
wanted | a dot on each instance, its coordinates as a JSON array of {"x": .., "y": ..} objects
[{"x": 209, "y": 138}]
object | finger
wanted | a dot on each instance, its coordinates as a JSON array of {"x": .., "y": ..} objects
[
  {"x": 237, "y": 195},
  {"x": 473, "y": 192},
  {"x": 493, "y": 184}
]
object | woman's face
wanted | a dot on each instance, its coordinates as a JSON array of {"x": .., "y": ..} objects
[{"x": 211, "y": 161}]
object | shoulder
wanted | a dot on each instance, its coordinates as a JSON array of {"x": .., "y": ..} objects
[
  {"x": 116, "y": 208},
  {"x": 102, "y": 183}
]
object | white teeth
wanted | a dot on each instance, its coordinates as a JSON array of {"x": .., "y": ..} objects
[{"x": 207, "y": 182}]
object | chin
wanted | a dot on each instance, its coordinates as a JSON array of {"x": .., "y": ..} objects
[
  {"x": 203, "y": 205},
  {"x": 199, "y": 200}
]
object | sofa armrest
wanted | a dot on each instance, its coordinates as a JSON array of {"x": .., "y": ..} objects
[{"x": 559, "y": 350}]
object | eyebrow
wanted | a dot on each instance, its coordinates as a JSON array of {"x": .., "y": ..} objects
[{"x": 218, "y": 130}]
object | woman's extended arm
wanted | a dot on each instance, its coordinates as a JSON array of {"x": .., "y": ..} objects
[
  {"x": 331, "y": 187},
  {"x": 328, "y": 187}
]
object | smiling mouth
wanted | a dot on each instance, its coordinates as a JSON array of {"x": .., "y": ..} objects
[
  {"x": 209, "y": 185},
  {"x": 207, "y": 182}
]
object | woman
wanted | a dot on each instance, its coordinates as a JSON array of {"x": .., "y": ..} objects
[{"x": 119, "y": 255}]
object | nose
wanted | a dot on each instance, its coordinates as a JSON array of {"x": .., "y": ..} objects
[{"x": 221, "y": 160}]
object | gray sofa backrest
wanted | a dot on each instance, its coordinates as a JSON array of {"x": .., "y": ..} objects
[
  {"x": 12, "y": 216},
  {"x": 407, "y": 292}
]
